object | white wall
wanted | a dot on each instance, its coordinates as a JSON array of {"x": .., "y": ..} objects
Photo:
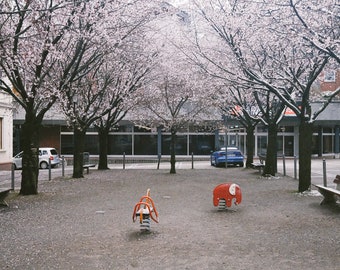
[{"x": 6, "y": 113}]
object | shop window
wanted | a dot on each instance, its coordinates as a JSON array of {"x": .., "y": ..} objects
[
  {"x": 119, "y": 144},
  {"x": 327, "y": 144},
  {"x": 92, "y": 144},
  {"x": 66, "y": 142},
  {"x": 262, "y": 145},
  {"x": 181, "y": 145},
  {"x": 201, "y": 144},
  {"x": 145, "y": 144}
]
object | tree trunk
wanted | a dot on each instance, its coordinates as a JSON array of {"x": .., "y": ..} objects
[
  {"x": 305, "y": 155},
  {"x": 30, "y": 159},
  {"x": 271, "y": 155},
  {"x": 103, "y": 134},
  {"x": 250, "y": 142},
  {"x": 173, "y": 151},
  {"x": 79, "y": 143}
]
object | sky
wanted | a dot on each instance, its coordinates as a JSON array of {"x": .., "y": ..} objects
[{"x": 177, "y": 2}]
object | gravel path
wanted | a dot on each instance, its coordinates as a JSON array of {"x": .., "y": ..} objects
[{"x": 87, "y": 224}]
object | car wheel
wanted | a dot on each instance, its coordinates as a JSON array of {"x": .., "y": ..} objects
[
  {"x": 43, "y": 165},
  {"x": 241, "y": 164}
]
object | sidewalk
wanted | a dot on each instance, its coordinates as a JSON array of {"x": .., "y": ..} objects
[{"x": 332, "y": 169}]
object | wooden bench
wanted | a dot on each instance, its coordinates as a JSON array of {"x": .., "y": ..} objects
[
  {"x": 88, "y": 166},
  {"x": 259, "y": 165},
  {"x": 330, "y": 194},
  {"x": 3, "y": 194}
]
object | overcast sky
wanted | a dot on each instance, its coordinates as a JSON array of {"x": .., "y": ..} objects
[{"x": 177, "y": 2}]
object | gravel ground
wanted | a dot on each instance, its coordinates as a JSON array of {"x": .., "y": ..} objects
[{"x": 87, "y": 224}]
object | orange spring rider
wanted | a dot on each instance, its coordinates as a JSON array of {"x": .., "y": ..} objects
[{"x": 145, "y": 209}]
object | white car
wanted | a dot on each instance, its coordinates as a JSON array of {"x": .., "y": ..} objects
[{"x": 45, "y": 154}]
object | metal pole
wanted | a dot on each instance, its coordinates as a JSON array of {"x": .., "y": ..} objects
[
  {"x": 295, "y": 167},
  {"x": 159, "y": 161},
  {"x": 192, "y": 160},
  {"x": 124, "y": 161},
  {"x": 63, "y": 166},
  {"x": 284, "y": 165},
  {"x": 49, "y": 170},
  {"x": 12, "y": 176},
  {"x": 324, "y": 173}
]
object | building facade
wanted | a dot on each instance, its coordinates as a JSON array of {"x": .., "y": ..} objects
[
  {"x": 132, "y": 140},
  {"x": 6, "y": 131}
]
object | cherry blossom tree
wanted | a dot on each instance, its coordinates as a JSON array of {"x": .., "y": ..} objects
[
  {"x": 319, "y": 25},
  {"x": 267, "y": 57},
  {"x": 177, "y": 94},
  {"x": 219, "y": 63},
  {"x": 113, "y": 32},
  {"x": 49, "y": 50},
  {"x": 33, "y": 42},
  {"x": 172, "y": 103},
  {"x": 242, "y": 106},
  {"x": 126, "y": 74}
]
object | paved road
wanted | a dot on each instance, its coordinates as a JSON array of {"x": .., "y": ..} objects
[{"x": 332, "y": 169}]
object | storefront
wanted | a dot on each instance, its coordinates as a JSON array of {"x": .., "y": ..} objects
[{"x": 138, "y": 141}]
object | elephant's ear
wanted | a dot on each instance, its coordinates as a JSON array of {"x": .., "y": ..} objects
[{"x": 232, "y": 189}]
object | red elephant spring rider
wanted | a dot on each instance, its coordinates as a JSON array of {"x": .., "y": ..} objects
[
  {"x": 225, "y": 194},
  {"x": 144, "y": 210}
]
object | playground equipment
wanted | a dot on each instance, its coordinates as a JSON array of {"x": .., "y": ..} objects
[
  {"x": 145, "y": 209},
  {"x": 225, "y": 194}
]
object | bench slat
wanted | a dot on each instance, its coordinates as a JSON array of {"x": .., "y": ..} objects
[
  {"x": 328, "y": 193},
  {"x": 87, "y": 167},
  {"x": 257, "y": 165},
  {"x": 335, "y": 191}
]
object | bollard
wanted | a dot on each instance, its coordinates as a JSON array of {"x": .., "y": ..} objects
[
  {"x": 192, "y": 160},
  {"x": 284, "y": 165},
  {"x": 49, "y": 170},
  {"x": 124, "y": 161},
  {"x": 63, "y": 166},
  {"x": 295, "y": 167},
  {"x": 12, "y": 176},
  {"x": 324, "y": 173},
  {"x": 159, "y": 161}
]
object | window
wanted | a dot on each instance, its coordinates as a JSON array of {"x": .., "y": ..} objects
[{"x": 329, "y": 76}]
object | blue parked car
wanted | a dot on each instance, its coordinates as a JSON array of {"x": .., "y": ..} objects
[{"x": 234, "y": 157}]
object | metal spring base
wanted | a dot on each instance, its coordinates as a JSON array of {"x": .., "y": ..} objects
[
  {"x": 145, "y": 225},
  {"x": 221, "y": 204}
]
